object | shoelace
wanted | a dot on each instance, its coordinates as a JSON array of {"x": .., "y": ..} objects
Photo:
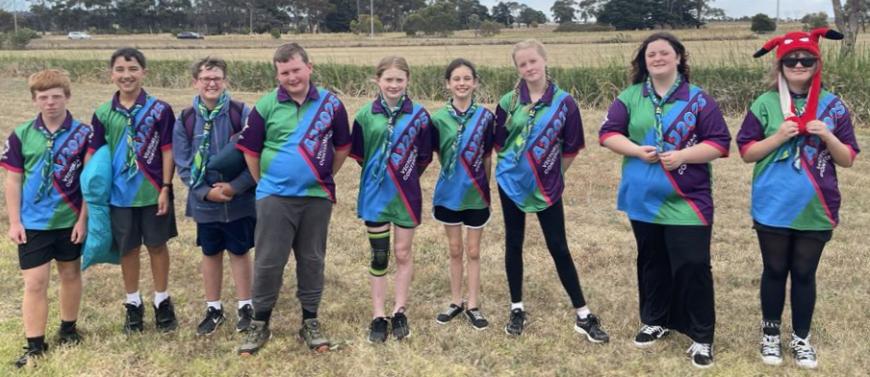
[
  {"x": 700, "y": 348},
  {"x": 476, "y": 315},
  {"x": 314, "y": 329},
  {"x": 650, "y": 330},
  {"x": 803, "y": 350},
  {"x": 452, "y": 310},
  {"x": 770, "y": 345}
]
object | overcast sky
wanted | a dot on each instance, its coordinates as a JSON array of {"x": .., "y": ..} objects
[{"x": 733, "y": 8}]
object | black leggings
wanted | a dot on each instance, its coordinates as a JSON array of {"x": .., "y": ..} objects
[
  {"x": 552, "y": 222},
  {"x": 792, "y": 252}
]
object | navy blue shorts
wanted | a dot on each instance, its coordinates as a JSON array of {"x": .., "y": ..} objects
[{"x": 235, "y": 236}]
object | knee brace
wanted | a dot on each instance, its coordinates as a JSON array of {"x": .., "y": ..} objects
[{"x": 380, "y": 242}]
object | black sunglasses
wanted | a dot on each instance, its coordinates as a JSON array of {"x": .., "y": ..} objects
[{"x": 805, "y": 62}]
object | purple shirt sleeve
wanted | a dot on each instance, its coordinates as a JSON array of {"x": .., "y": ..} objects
[
  {"x": 340, "y": 128},
  {"x": 488, "y": 137},
  {"x": 712, "y": 129},
  {"x": 424, "y": 144},
  {"x": 615, "y": 122},
  {"x": 500, "y": 131},
  {"x": 572, "y": 132},
  {"x": 253, "y": 135},
  {"x": 167, "y": 124},
  {"x": 751, "y": 131},
  {"x": 357, "y": 148},
  {"x": 436, "y": 139},
  {"x": 98, "y": 137},
  {"x": 846, "y": 133},
  {"x": 12, "y": 158}
]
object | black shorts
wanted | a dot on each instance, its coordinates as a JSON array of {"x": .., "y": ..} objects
[
  {"x": 377, "y": 224},
  {"x": 471, "y": 218},
  {"x": 44, "y": 245},
  {"x": 134, "y": 226},
  {"x": 236, "y": 236},
  {"x": 818, "y": 235}
]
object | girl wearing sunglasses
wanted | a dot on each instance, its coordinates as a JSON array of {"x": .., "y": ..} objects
[{"x": 796, "y": 134}]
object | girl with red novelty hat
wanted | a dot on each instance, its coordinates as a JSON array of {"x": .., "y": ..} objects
[{"x": 796, "y": 134}]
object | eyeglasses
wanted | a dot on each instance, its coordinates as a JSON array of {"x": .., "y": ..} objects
[
  {"x": 207, "y": 80},
  {"x": 805, "y": 62}
]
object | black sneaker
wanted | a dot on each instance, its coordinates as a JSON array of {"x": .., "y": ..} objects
[
  {"x": 516, "y": 323},
  {"x": 401, "y": 330},
  {"x": 451, "y": 312},
  {"x": 134, "y": 319},
  {"x": 246, "y": 314},
  {"x": 30, "y": 354},
  {"x": 213, "y": 319},
  {"x": 591, "y": 327},
  {"x": 476, "y": 318},
  {"x": 701, "y": 354},
  {"x": 164, "y": 316},
  {"x": 648, "y": 335},
  {"x": 256, "y": 337},
  {"x": 70, "y": 337},
  {"x": 378, "y": 330},
  {"x": 804, "y": 354},
  {"x": 311, "y": 335}
]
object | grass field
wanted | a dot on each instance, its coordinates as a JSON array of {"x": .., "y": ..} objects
[{"x": 602, "y": 246}]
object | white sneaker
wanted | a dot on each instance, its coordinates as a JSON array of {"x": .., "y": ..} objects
[
  {"x": 804, "y": 354},
  {"x": 771, "y": 349}
]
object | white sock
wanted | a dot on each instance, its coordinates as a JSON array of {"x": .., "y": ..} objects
[
  {"x": 245, "y": 302},
  {"x": 583, "y": 312},
  {"x": 134, "y": 298},
  {"x": 517, "y": 305},
  {"x": 159, "y": 297},
  {"x": 214, "y": 304}
]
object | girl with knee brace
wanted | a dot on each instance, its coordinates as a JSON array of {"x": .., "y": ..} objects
[
  {"x": 391, "y": 142},
  {"x": 463, "y": 137}
]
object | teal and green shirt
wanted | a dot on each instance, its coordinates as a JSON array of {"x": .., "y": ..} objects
[
  {"x": 149, "y": 136},
  {"x": 392, "y": 157},
  {"x": 531, "y": 139},
  {"x": 59, "y": 205},
  {"x": 795, "y": 186},
  {"x": 296, "y": 142},
  {"x": 463, "y": 182},
  {"x": 649, "y": 192}
]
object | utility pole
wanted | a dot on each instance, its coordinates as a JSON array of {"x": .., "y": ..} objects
[
  {"x": 14, "y": 18},
  {"x": 372, "y": 18},
  {"x": 777, "y": 11}
]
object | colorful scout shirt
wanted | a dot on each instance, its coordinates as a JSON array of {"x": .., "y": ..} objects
[
  {"x": 296, "y": 142},
  {"x": 389, "y": 189},
  {"x": 795, "y": 186},
  {"x": 463, "y": 182},
  {"x": 648, "y": 192},
  {"x": 150, "y": 134},
  {"x": 54, "y": 204},
  {"x": 533, "y": 142}
]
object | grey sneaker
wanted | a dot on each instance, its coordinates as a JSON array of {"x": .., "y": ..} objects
[
  {"x": 451, "y": 312},
  {"x": 476, "y": 319},
  {"x": 804, "y": 353},
  {"x": 771, "y": 349},
  {"x": 311, "y": 335},
  {"x": 255, "y": 338}
]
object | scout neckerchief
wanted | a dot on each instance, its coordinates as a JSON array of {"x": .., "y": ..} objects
[
  {"x": 523, "y": 140},
  {"x": 48, "y": 158},
  {"x": 659, "y": 103},
  {"x": 392, "y": 113},
  {"x": 130, "y": 165},
  {"x": 461, "y": 119},
  {"x": 790, "y": 112},
  {"x": 200, "y": 158}
]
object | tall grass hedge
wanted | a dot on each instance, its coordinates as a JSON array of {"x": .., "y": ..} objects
[{"x": 733, "y": 85}]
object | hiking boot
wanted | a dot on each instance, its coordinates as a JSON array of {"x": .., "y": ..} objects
[
  {"x": 516, "y": 323},
  {"x": 401, "y": 330},
  {"x": 311, "y": 335},
  {"x": 134, "y": 318},
  {"x": 378, "y": 330},
  {"x": 246, "y": 314},
  {"x": 30, "y": 353},
  {"x": 476, "y": 318},
  {"x": 164, "y": 316},
  {"x": 213, "y": 319},
  {"x": 591, "y": 327},
  {"x": 771, "y": 349},
  {"x": 648, "y": 335},
  {"x": 701, "y": 354},
  {"x": 804, "y": 354},
  {"x": 256, "y": 336},
  {"x": 451, "y": 312}
]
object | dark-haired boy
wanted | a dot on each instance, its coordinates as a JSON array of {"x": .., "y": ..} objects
[{"x": 138, "y": 129}]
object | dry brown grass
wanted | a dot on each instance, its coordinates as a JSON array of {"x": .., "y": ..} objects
[{"x": 602, "y": 246}]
